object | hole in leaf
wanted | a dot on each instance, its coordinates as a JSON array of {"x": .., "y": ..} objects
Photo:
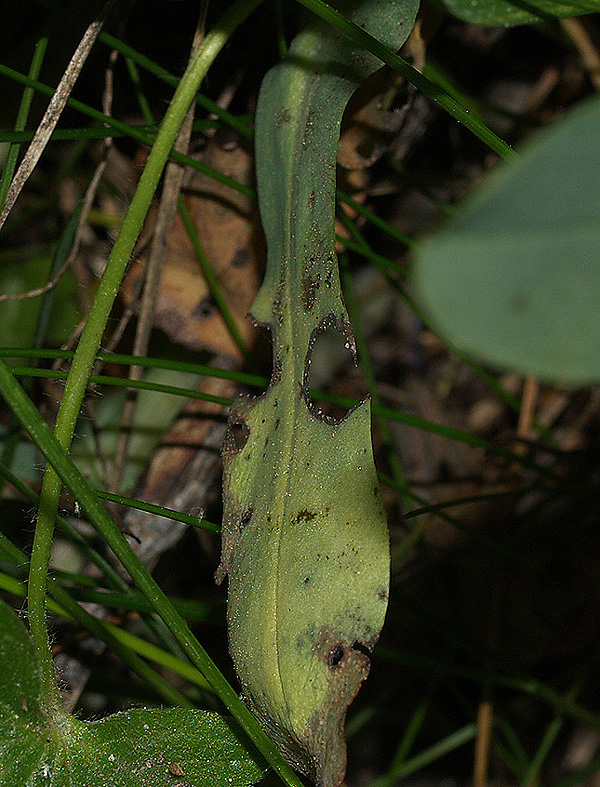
[
  {"x": 238, "y": 435},
  {"x": 335, "y": 655},
  {"x": 330, "y": 367}
]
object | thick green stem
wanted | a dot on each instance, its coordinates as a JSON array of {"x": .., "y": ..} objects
[{"x": 91, "y": 336}]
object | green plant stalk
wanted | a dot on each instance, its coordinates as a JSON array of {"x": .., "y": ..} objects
[
  {"x": 40, "y": 433},
  {"x": 94, "y": 328},
  {"x": 431, "y": 89}
]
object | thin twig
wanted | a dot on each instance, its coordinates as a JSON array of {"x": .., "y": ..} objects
[
  {"x": 528, "y": 405},
  {"x": 54, "y": 111},
  {"x": 485, "y": 718}
]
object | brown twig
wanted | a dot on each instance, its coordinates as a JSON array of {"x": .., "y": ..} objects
[{"x": 528, "y": 405}]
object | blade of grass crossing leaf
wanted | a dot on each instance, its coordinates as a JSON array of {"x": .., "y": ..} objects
[
  {"x": 72, "y": 478},
  {"x": 367, "y": 253},
  {"x": 246, "y": 379},
  {"x": 374, "y": 219},
  {"x": 243, "y": 378},
  {"x": 191, "y": 610},
  {"x": 21, "y": 121},
  {"x": 254, "y": 380},
  {"x": 98, "y": 132},
  {"x": 431, "y": 89},
  {"x": 168, "y": 513},
  {"x": 121, "y": 382}
]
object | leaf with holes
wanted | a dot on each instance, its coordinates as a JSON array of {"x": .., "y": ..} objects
[{"x": 305, "y": 542}]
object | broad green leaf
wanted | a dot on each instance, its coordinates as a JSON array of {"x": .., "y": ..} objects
[
  {"x": 21, "y": 744},
  {"x": 304, "y": 536},
  {"x": 515, "y": 279},
  {"x": 155, "y": 748},
  {"x": 516, "y": 12},
  {"x": 138, "y": 748}
]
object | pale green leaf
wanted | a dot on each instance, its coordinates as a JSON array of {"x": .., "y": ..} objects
[
  {"x": 515, "y": 279},
  {"x": 305, "y": 541}
]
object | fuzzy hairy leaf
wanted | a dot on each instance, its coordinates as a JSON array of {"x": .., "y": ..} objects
[
  {"x": 305, "y": 541},
  {"x": 138, "y": 748}
]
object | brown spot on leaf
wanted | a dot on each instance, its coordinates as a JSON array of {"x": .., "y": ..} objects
[
  {"x": 304, "y": 516},
  {"x": 347, "y": 668},
  {"x": 175, "y": 769},
  {"x": 284, "y": 116},
  {"x": 246, "y": 517}
]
